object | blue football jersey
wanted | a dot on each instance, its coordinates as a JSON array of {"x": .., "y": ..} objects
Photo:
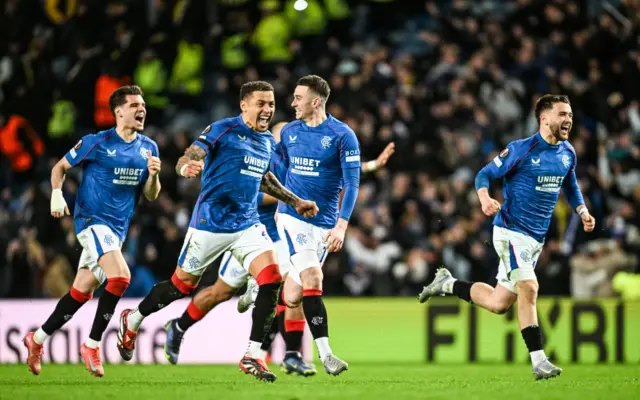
[
  {"x": 267, "y": 212},
  {"x": 533, "y": 173},
  {"x": 237, "y": 158},
  {"x": 315, "y": 158},
  {"x": 114, "y": 174}
]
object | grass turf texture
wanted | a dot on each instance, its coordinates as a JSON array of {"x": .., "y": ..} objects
[{"x": 362, "y": 381}]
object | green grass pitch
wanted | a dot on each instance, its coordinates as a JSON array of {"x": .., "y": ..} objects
[{"x": 362, "y": 381}]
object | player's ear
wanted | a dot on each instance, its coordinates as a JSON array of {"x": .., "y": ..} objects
[{"x": 243, "y": 105}]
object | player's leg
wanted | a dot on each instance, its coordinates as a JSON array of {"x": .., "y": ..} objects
[
  {"x": 527, "y": 286},
  {"x": 254, "y": 250},
  {"x": 293, "y": 332},
  {"x": 232, "y": 276},
  {"x": 200, "y": 248},
  {"x": 104, "y": 246},
  {"x": 264, "y": 268},
  {"x": 519, "y": 254},
  {"x": 497, "y": 300},
  {"x": 308, "y": 255},
  {"x": 81, "y": 291}
]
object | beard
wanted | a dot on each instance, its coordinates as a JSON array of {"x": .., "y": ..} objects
[{"x": 558, "y": 134}]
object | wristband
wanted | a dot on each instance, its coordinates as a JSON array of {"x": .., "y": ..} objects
[
  {"x": 583, "y": 210},
  {"x": 371, "y": 165}
]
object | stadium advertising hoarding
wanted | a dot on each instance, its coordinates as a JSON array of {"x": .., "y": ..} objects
[
  {"x": 575, "y": 331},
  {"x": 220, "y": 338}
]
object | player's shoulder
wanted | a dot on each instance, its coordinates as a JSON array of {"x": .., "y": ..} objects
[
  {"x": 222, "y": 126},
  {"x": 521, "y": 145},
  {"x": 339, "y": 127},
  {"x": 96, "y": 138},
  {"x": 568, "y": 146},
  {"x": 146, "y": 141},
  {"x": 289, "y": 127}
]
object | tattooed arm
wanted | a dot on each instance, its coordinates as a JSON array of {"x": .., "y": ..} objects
[
  {"x": 191, "y": 163},
  {"x": 272, "y": 186}
]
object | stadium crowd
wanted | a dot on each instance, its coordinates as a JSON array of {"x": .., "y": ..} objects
[{"x": 450, "y": 82}]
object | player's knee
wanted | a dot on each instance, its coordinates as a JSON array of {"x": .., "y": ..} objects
[
  {"x": 312, "y": 278},
  {"x": 292, "y": 297},
  {"x": 527, "y": 290},
  {"x": 500, "y": 308},
  {"x": 269, "y": 275}
]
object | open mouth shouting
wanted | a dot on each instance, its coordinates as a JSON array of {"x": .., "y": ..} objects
[
  {"x": 140, "y": 120},
  {"x": 565, "y": 128},
  {"x": 263, "y": 122}
]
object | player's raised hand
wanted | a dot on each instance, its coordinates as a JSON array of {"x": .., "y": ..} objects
[
  {"x": 490, "y": 206},
  {"x": 153, "y": 164},
  {"x": 334, "y": 239},
  {"x": 58, "y": 204},
  {"x": 382, "y": 159},
  {"x": 588, "y": 221},
  {"x": 307, "y": 208}
]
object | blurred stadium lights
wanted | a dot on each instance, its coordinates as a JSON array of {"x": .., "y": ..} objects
[{"x": 300, "y": 5}]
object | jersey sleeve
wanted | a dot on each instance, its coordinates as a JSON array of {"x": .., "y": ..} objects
[
  {"x": 83, "y": 151},
  {"x": 209, "y": 137},
  {"x": 571, "y": 189},
  {"x": 502, "y": 164},
  {"x": 349, "y": 151}
]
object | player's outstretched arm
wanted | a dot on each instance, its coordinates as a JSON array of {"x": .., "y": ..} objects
[
  {"x": 191, "y": 163},
  {"x": 152, "y": 185},
  {"x": 574, "y": 196},
  {"x": 381, "y": 161},
  {"x": 58, "y": 204},
  {"x": 272, "y": 186}
]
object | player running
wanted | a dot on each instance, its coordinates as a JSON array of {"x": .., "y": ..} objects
[
  {"x": 534, "y": 170},
  {"x": 289, "y": 322},
  {"x": 118, "y": 165},
  {"x": 322, "y": 156},
  {"x": 236, "y": 154}
]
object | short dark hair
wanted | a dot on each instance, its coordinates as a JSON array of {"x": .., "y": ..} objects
[
  {"x": 254, "y": 86},
  {"x": 318, "y": 85},
  {"x": 547, "y": 101},
  {"x": 119, "y": 97}
]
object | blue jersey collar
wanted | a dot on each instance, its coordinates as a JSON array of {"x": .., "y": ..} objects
[{"x": 544, "y": 142}]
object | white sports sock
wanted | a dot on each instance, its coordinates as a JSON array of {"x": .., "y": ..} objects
[
  {"x": 323, "y": 347},
  {"x": 254, "y": 350},
  {"x": 92, "y": 344},
  {"x": 447, "y": 286},
  {"x": 40, "y": 336},
  {"x": 134, "y": 320},
  {"x": 537, "y": 357}
]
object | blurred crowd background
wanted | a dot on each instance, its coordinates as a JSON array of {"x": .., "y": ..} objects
[{"x": 450, "y": 82}]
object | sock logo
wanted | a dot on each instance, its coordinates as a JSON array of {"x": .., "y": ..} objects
[
  {"x": 67, "y": 317},
  {"x": 317, "y": 320},
  {"x": 107, "y": 316},
  {"x": 160, "y": 305}
]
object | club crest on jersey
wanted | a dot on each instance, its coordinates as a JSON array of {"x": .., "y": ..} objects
[
  {"x": 143, "y": 153},
  {"x": 566, "y": 161},
  {"x": 504, "y": 153},
  {"x": 326, "y": 142}
]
